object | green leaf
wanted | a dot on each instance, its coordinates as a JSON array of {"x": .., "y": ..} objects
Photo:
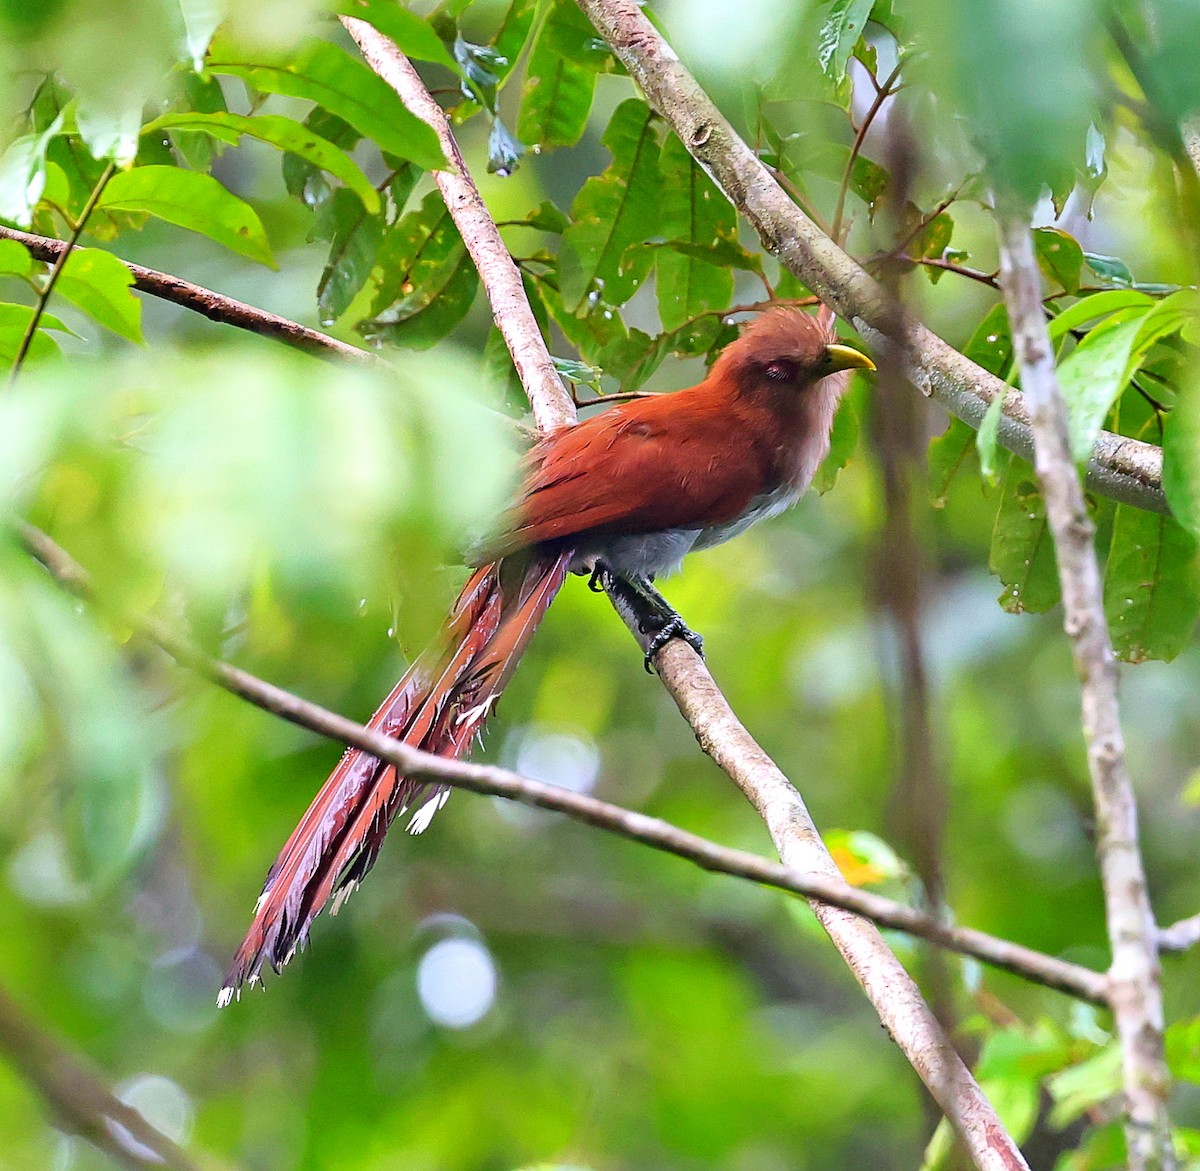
[
  {"x": 556, "y": 98},
  {"x": 868, "y": 180},
  {"x": 697, "y": 213},
  {"x": 1181, "y": 457},
  {"x": 613, "y": 211},
  {"x": 987, "y": 438},
  {"x": 201, "y": 19},
  {"x": 633, "y": 357},
  {"x": 282, "y": 133},
  {"x": 546, "y": 217},
  {"x": 1151, "y": 585},
  {"x": 1096, "y": 305},
  {"x": 202, "y": 94},
  {"x": 1059, "y": 256},
  {"x": 1080, "y": 1087},
  {"x": 560, "y": 79},
  {"x": 329, "y": 76},
  {"x": 305, "y": 181},
  {"x": 23, "y": 174},
  {"x": 504, "y": 150},
  {"x": 1022, "y": 552},
  {"x": 14, "y": 321},
  {"x": 427, "y": 281},
  {"x": 112, "y": 133},
  {"x": 991, "y": 347},
  {"x": 947, "y": 453},
  {"x": 991, "y": 343},
  {"x": 723, "y": 252},
  {"x": 424, "y": 319},
  {"x": 190, "y": 200},
  {"x": 1100, "y": 367},
  {"x": 99, "y": 284},
  {"x": 72, "y": 708},
  {"x": 934, "y": 237},
  {"x": 974, "y": 53},
  {"x": 1110, "y": 269},
  {"x": 412, "y": 34},
  {"x": 510, "y": 38},
  {"x": 15, "y": 258},
  {"x": 568, "y": 31},
  {"x": 841, "y": 28},
  {"x": 418, "y": 256},
  {"x": 578, "y": 373},
  {"x": 1183, "y": 1049},
  {"x": 354, "y": 236},
  {"x": 1093, "y": 375}
]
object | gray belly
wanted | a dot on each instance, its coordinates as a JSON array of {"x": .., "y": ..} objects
[{"x": 661, "y": 554}]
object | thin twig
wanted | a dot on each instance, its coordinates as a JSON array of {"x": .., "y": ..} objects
[
  {"x": 973, "y": 274},
  {"x": 1125, "y": 469},
  {"x": 80, "y": 1101},
  {"x": 1180, "y": 936},
  {"x": 617, "y": 396},
  {"x": 1134, "y": 975},
  {"x": 215, "y": 306},
  {"x": 498, "y": 782},
  {"x": 882, "y": 93},
  {"x": 56, "y": 270}
]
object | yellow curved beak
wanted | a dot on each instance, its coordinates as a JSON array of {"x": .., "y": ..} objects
[{"x": 839, "y": 357}]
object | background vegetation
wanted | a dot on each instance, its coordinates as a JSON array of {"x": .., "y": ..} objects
[{"x": 513, "y": 989}]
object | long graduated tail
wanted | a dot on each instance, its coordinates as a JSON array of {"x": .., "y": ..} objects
[{"x": 439, "y": 706}]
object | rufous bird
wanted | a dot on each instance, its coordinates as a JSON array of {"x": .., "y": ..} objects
[{"x": 622, "y": 496}]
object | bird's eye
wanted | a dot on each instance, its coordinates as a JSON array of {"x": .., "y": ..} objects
[{"x": 782, "y": 370}]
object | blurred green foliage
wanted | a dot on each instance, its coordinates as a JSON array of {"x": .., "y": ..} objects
[{"x": 511, "y": 989}]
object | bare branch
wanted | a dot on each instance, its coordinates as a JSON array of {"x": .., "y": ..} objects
[
  {"x": 552, "y": 407},
  {"x": 215, "y": 306},
  {"x": 1125, "y": 469},
  {"x": 498, "y": 782},
  {"x": 80, "y": 1101},
  {"x": 1136, "y": 993},
  {"x": 891, "y": 991},
  {"x": 1180, "y": 936}
]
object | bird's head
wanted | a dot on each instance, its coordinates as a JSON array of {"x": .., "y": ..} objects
[{"x": 787, "y": 348}]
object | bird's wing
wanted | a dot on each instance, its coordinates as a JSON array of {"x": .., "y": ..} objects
[{"x": 641, "y": 467}]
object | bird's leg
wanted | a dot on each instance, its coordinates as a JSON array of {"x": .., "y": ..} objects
[{"x": 655, "y": 615}]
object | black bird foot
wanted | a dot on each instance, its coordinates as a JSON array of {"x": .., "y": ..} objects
[
  {"x": 601, "y": 578},
  {"x": 674, "y": 628}
]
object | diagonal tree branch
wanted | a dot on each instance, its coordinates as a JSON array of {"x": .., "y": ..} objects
[
  {"x": 1136, "y": 994},
  {"x": 1125, "y": 469},
  {"x": 498, "y": 782},
  {"x": 890, "y": 989},
  {"x": 80, "y": 1101},
  {"x": 552, "y": 406}
]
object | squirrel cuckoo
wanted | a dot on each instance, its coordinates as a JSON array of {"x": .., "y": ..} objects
[{"x": 622, "y": 496}]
